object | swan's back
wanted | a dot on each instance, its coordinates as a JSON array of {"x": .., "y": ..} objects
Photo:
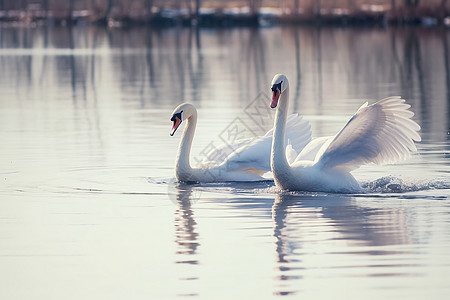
[{"x": 254, "y": 153}]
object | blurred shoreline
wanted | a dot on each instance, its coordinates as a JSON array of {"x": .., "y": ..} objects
[{"x": 124, "y": 13}]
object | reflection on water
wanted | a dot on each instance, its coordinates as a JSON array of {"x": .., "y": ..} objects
[
  {"x": 286, "y": 261},
  {"x": 94, "y": 68},
  {"x": 163, "y": 67},
  {"x": 330, "y": 233},
  {"x": 84, "y": 121},
  {"x": 189, "y": 58},
  {"x": 186, "y": 237}
]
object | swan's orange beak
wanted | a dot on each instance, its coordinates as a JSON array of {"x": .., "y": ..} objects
[
  {"x": 176, "y": 123},
  {"x": 275, "y": 97}
]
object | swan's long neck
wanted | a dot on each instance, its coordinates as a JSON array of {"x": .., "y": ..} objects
[
  {"x": 279, "y": 163},
  {"x": 183, "y": 167}
]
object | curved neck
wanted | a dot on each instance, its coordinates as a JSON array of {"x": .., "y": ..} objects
[
  {"x": 183, "y": 165},
  {"x": 278, "y": 159}
]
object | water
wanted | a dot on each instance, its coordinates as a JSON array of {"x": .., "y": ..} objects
[{"x": 89, "y": 207}]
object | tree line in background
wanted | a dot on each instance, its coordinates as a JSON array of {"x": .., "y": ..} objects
[{"x": 219, "y": 12}]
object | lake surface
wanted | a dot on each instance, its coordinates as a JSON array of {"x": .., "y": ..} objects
[{"x": 89, "y": 205}]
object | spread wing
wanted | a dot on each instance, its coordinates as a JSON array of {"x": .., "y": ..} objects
[
  {"x": 380, "y": 133},
  {"x": 310, "y": 151},
  {"x": 255, "y": 154}
]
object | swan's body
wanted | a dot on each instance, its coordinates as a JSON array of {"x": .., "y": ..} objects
[
  {"x": 379, "y": 133},
  {"x": 243, "y": 160}
]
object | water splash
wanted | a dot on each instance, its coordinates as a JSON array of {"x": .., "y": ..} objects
[
  {"x": 391, "y": 184},
  {"x": 383, "y": 185}
]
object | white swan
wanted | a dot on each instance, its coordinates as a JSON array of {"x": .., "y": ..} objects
[
  {"x": 244, "y": 160},
  {"x": 379, "y": 133}
]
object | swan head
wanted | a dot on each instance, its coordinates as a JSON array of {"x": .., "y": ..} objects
[
  {"x": 182, "y": 112},
  {"x": 279, "y": 85}
]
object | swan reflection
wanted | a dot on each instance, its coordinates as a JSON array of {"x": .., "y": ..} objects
[
  {"x": 186, "y": 236},
  {"x": 315, "y": 235}
]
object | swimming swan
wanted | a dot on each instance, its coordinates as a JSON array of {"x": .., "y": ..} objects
[
  {"x": 242, "y": 160},
  {"x": 378, "y": 133}
]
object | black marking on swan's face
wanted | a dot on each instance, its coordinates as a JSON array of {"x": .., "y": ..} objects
[
  {"x": 276, "y": 89},
  {"x": 176, "y": 119},
  {"x": 177, "y": 115},
  {"x": 277, "y": 86}
]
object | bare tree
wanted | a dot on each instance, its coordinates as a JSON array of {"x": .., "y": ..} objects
[
  {"x": 393, "y": 5},
  {"x": 197, "y": 8},
  {"x": 254, "y": 6},
  {"x": 149, "y": 8},
  {"x": 412, "y": 3},
  {"x": 351, "y": 3},
  {"x": 109, "y": 8},
  {"x": 189, "y": 7},
  {"x": 70, "y": 9},
  {"x": 318, "y": 7}
]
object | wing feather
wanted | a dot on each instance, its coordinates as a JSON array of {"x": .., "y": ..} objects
[
  {"x": 379, "y": 133},
  {"x": 254, "y": 153}
]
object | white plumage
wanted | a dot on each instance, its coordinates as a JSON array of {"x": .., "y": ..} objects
[
  {"x": 242, "y": 160},
  {"x": 380, "y": 133}
]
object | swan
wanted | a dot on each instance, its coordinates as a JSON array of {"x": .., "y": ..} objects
[
  {"x": 243, "y": 160},
  {"x": 379, "y": 133}
]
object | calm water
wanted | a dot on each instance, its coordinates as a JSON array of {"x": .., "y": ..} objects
[{"x": 89, "y": 207}]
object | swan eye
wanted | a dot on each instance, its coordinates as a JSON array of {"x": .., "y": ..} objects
[
  {"x": 178, "y": 115},
  {"x": 277, "y": 86}
]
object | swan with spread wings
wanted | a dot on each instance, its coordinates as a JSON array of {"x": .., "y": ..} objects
[{"x": 379, "y": 133}]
